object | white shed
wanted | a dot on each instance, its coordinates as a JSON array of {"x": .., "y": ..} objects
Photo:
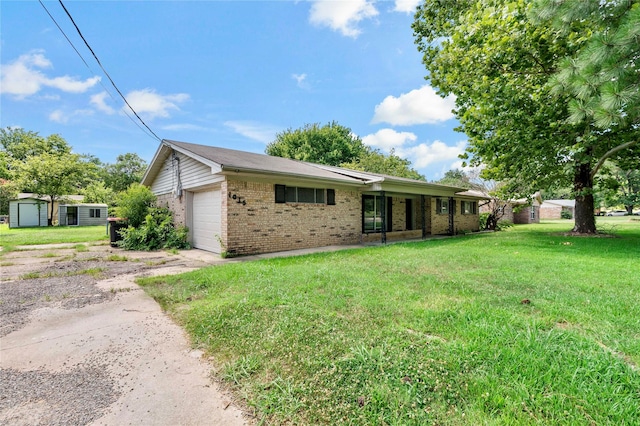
[{"x": 27, "y": 212}]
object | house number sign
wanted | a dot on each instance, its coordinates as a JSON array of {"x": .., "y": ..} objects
[{"x": 238, "y": 199}]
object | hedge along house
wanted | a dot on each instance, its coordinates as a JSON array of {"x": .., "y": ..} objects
[{"x": 246, "y": 203}]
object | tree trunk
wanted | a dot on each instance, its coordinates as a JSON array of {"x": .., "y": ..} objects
[{"x": 585, "y": 221}]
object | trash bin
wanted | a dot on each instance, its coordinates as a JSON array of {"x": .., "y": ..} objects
[{"x": 115, "y": 225}]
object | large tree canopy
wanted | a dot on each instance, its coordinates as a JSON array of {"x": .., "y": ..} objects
[
  {"x": 128, "y": 168},
  {"x": 331, "y": 144},
  {"x": 336, "y": 145},
  {"x": 374, "y": 161},
  {"x": 499, "y": 64}
]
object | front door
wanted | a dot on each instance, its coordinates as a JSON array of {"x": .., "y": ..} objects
[{"x": 72, "y": 216}]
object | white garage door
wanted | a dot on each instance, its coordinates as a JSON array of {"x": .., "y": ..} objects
[
  {"x": 28, "y": 214},
  {"x": 205, "y": 229}
]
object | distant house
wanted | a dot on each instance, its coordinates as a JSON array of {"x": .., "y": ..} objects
[
  {"x": 552, "y": 209},
  {"x": 246, "y": 203},
  {"x": 28, "y": 210},
  {"x": 521, "y": 211}
]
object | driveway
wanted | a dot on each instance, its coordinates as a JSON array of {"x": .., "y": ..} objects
[{"x": 81, "y": 343}]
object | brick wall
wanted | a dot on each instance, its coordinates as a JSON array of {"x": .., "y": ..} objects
[
  {"x": 261, "y": 225},
  {"x": 551, "y": 212},
  {"x": 176, "y": 205}
]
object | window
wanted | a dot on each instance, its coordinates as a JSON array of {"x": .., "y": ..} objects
[
  {"x": 533, "y": 213},
  {"x": 94, "y": 212},
  {"x": 442, "y": 206},
  {"x": 372, "y": 213},
  {"x": 469, "y": 207},
  {"x": 294, "y": 194}
]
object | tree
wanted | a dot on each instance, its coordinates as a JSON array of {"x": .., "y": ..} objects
[
  {"x": 498, "y": 63},
  {"x": 457, "y": 177},
  {"x": 331, "y": 144},
  {"x": 17, "y": 144},
  {"x": 620, "y": 181},
  {"x": 8, "y": 191},
  {"x": 374, "y": 161},
  {"x": 128, "y": 168},
  {"x": 97, "y": 192},
  {"x": 602, "y": 75},
  {"x": 54, "y": 175},
  {"x": 134, "y": 204}
]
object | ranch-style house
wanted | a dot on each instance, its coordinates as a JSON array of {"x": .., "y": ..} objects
[{"x": 246, "y": 203}]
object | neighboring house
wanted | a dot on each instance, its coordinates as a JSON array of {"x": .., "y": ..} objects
[
  {"x": 521, "y": 211},
  {"x": 28, "y": 210},
  {"x": 245, "y": 203},
  {"x": 552, "y": 209},
  {"x": 82, "y": 214}
]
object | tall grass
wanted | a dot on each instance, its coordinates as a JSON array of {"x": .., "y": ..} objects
[{"x": 527, "y": 326}]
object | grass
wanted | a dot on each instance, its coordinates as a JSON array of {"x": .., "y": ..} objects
[
  {"x": 527, "y": 326},
  {"x": 9, "y": 238}
]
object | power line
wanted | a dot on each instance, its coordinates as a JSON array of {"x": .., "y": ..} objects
[
  {"x": 105, "y": 71},
  {"x": 91, "y": 71}
]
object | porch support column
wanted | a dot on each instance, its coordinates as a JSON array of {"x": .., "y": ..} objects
[
  {"x": 383, "y": 217},
  {"x": 424, "y": 217},
  {"x": 452, "y": 212}
]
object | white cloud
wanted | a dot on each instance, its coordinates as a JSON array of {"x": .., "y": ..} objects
[
  {"x": 23, "y": 77},
  {"x": 422, "y": 155},
  {"x": 342, "y": 15},
  {"x": 252, "y": 130},
  {"x": 98, "y": 101},
  {"x": 62, "y": 117},
  {"x": 406, "y": 6},
  {"x": 387, "y": 139},
  {"x": 300, "y": 80},
  {"x": 420, "y": 106},
  {"x": 151, "y": 104}
]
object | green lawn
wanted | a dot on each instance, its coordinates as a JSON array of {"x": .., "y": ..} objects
[
  {"x": 51, "y": 234},
  {"x": 526, "y": 326}
]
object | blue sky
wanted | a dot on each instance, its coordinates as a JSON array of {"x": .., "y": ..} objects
[{"x": 223, "y": 73}]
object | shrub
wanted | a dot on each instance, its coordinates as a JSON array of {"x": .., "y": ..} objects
[
  {"x": 565, "y": 215},
  {"x": 501, "y": 224},
  {"x": 134, "y": 204},
  {"x": 156, "y": 232}
]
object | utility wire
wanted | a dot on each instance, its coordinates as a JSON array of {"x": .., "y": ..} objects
[
  {"x": 90, "y": 70},
  {"x": 105, "y": 71}
]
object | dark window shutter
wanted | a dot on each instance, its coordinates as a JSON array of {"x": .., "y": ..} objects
[
  {"x": 438, "y": 205},
  {"x": 331, "y": 197},
  {"x": 280, "y": 193}
]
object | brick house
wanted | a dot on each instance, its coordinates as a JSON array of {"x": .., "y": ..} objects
[
  {"x": 552, "y": 209},
  {"x": 521, "y": 211},
  {"x": 246, "y": 203}
]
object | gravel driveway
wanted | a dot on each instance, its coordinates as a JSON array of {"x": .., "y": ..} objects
[{"x": 81, "y": 343}]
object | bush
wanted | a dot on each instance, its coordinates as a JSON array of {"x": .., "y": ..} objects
[
  {"x": 501, "y": 224},
  {"x": 134, "y": 204},
  {"x": 565, "y": 215},
  {"x": 156, "y": 232}
]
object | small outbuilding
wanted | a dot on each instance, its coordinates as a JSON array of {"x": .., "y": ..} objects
[
  {"x": 82, "y": 214},
  {"x": 27, "y": 211}
]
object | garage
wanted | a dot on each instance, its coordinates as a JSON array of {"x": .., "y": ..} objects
[{"x": 206, "y": 224}]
